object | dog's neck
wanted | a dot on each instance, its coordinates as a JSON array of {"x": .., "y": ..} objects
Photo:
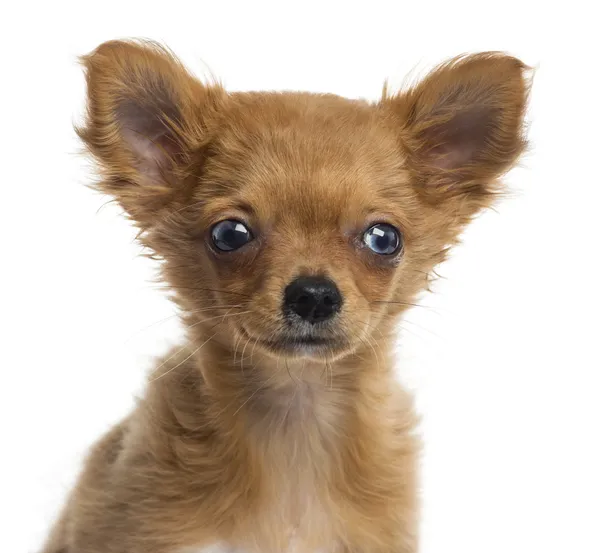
[{"x": 261, "y": 390}]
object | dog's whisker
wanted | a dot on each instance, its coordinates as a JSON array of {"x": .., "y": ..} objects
[
  {"x": 374, "y": 352},
  {"x": 156, "y": 369},
  {"x": 262, "y": 387},
  {"x": 371, "y": 326},
  {"x": 366, "y": 340},
  {"x": 296, "y": 388},
  {"x": 219, "y": 316},
  {"x": 144, "y": 329},
  {"x": 404, "y": 303},
  {"x": 256, "y": 340},
  {"x": 184, "y": 360},
  {"x": 185, "y": 347},
  {"x": 247, "y": 341},
  {"x": 213, "y": 307},
  {"x": 420, "y": 327},
  {"x": 179, "y": 314},
  {"x": 236, "y": 344},
  {"x": 202, "y": 289},
  {"x": 289, "y": 372}
]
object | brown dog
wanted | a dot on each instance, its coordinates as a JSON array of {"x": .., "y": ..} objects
[{"x": 294, "y": 229}]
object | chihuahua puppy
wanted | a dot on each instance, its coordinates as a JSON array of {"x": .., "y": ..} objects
[{"x": 293, "y": 229}]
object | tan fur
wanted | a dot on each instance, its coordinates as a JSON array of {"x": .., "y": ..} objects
[{"x": 232, "y": 443}]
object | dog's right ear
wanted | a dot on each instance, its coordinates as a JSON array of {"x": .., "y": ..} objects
[{"x": 145, "y": 116}]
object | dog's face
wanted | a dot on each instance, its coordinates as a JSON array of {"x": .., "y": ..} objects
[
  {"x": 305, "y": 219},
  {"x": 299, "y": 223}
]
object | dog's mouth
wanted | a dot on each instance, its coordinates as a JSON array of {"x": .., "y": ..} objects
[
  {"x": 298, "y": 343},
  {"x": 312, "y": 345}
]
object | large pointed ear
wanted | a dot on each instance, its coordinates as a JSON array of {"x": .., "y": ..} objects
[
  {"x": 145, "y": 116},
  {"x": 462, "y": 126}
]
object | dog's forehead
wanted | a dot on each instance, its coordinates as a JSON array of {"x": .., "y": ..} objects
[
  {"x": 281, "y": 108},
  {"x": 318, "y": 155},
  {"x": 297, "y": 129}
]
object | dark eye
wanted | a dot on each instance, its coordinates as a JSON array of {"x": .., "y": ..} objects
[
  {"x": 383, "y": 239},
  {"x": 230, "y": 235}
]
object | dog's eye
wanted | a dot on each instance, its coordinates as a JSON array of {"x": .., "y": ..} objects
[
  {"x": 383, "y": 239},
  {"x": 230, "y": 235}
]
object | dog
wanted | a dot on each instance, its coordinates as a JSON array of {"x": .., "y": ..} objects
[{"x": 293, "y": 229}]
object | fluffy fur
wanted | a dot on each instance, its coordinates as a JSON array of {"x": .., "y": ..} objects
[{"x": 234, "y": 443}]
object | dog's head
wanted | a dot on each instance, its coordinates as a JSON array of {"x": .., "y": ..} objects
[{"x": 302, "y": 223}]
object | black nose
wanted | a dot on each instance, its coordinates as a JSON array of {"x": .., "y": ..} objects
[{"x": 314, "y": 299}]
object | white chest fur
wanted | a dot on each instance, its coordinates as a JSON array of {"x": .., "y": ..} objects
[{"x": 294, "y": 512}]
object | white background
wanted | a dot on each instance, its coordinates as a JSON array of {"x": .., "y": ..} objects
[{"x": 504, "y": 357}]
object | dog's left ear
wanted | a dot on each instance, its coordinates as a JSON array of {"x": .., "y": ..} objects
[{"x": 462, "y": 126}]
